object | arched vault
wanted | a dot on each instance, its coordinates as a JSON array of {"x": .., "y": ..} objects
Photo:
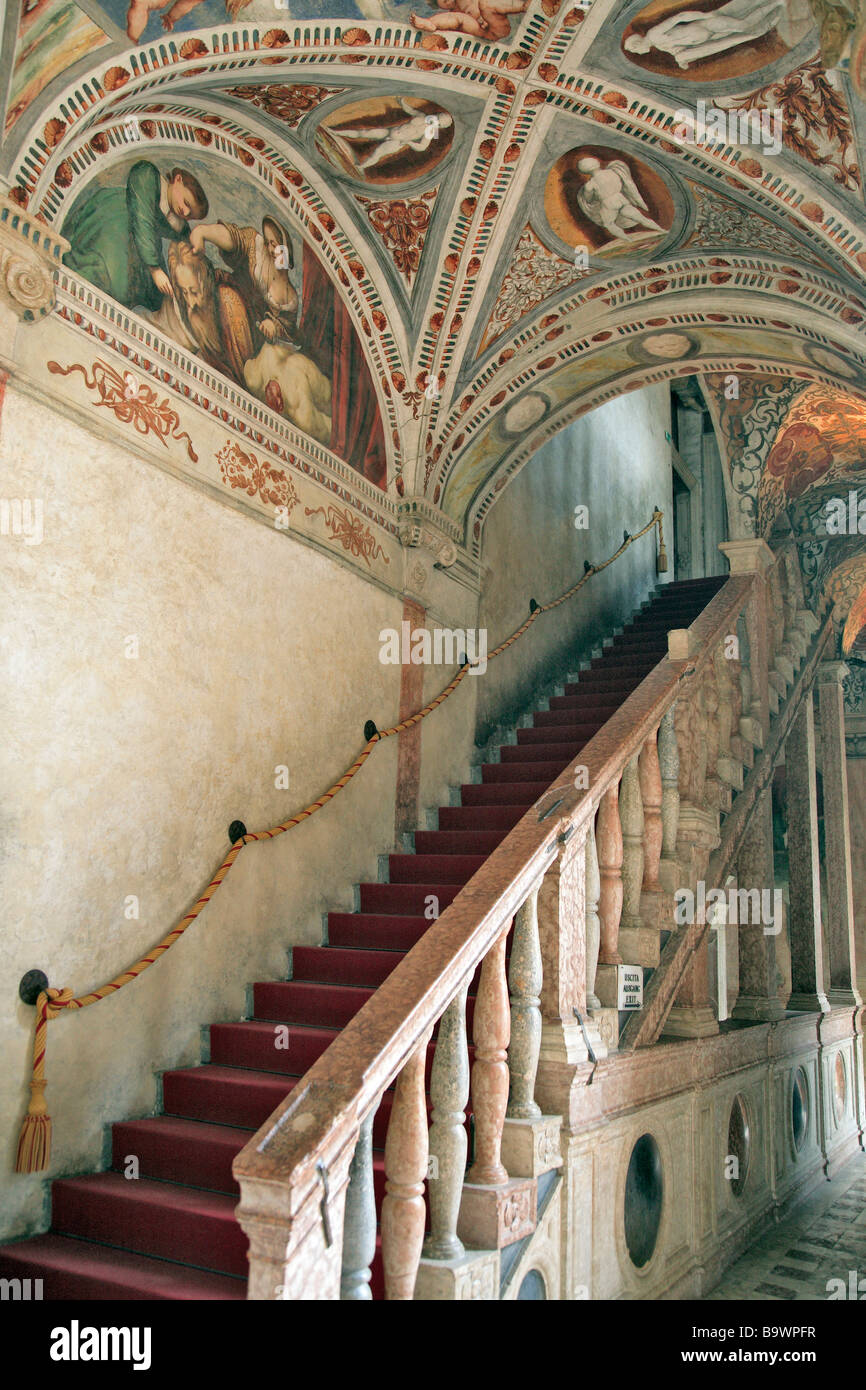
[{"x": 570, "y": 224}]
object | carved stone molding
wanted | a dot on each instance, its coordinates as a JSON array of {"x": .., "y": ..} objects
[
  {"x": 29, "y": 252},
  {"x": 416, "y": 527}
]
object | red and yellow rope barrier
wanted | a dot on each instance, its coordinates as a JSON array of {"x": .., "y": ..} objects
[{"x": 34, "y": 1144}]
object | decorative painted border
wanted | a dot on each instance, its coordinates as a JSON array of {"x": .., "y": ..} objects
[{"x": 120, "y": 331}]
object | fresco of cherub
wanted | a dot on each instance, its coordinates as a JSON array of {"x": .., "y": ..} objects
[
  {"x": 139, "y": 13},
  {"x": 483, "y": 19}
]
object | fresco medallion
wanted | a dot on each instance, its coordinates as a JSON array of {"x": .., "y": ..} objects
[
  {"x": 386, "y": 140},
  {"x": 609, "y": 202},
  {"x": 712, "y": 40}
]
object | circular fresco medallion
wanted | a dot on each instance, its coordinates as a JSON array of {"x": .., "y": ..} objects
[
  {"x": 667, "y": 345},
  {"x": 386, "y": 140},
  {"x": 609, "y": 202},
  {"x": 524, "y": 413},
  {"x": 712, "y": 40}
]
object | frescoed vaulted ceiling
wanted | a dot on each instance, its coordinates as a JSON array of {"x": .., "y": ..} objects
[{"x": 493, "y": 215}]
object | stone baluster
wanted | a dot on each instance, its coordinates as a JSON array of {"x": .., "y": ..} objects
[
  {"x": 449, "y": 1092},
  {"x": 525, "y": 981},
  {"x": 650, "y": 776},
  {"x": 593, "y": 926},
  {"x": 750, "y": 723},
  {"x": 491, "y": 1035},
  {"x": 710, "y": 743},
  {"x": 729, "y": 770},
  {"x": 406, "y": 1152},
  {"x": 776, "y": 614},
  {"x": 359, "y": 1221},
  {"x": 632, "y": 944},
  {"x": 669, "y": 765},
  {"x": 735, "y": 665},
  {"x": 609, "y": 832},
  {"x": 655, "y": 903}
]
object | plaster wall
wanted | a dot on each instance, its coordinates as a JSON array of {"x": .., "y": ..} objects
[
  {"x": 120, "y": 775},
  {"x": 616, "y": 461}
]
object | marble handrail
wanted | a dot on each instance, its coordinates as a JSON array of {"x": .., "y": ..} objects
[{"x": 313, "y": 1134}]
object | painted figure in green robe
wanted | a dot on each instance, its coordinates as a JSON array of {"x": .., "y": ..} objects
[{"x": 116, "y": 236}]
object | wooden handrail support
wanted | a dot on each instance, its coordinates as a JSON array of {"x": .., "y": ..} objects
[{"x": 310, "y": 1138}]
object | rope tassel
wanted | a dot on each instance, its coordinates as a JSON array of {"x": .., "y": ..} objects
[{"x": 34, "y": 1141}]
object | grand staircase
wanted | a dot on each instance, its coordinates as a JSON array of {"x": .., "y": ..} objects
[{"x": 160, "y": 1224}]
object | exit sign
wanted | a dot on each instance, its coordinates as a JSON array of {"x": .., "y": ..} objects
[{"x": 629, "y": 987}]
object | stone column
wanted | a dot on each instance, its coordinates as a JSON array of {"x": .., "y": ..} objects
[
  {"x": 837, "y": 835},
  {"x": 807, "y": 965},
  {"x": 758, "y": 998}
]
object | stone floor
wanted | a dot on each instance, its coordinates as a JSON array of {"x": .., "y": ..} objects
[{"x": 824, "y": 1238}]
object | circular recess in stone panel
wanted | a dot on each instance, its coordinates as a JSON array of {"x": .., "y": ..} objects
[
  {"x": 739, "y": 1146},
  {"x": 533, "y": 1287},
  {"x": 799, "y": 1108},
  {"x": 840, "y": 1087},
  {"x": 644, "y": 1197}
]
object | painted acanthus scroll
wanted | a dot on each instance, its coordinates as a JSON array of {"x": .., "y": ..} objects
[
  {"x": 350, "y": 531},
  {"x": 132, "y": 401}
]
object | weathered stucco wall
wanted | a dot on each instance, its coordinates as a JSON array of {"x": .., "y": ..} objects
[
  {"x": 615, "y": 460},
  {"x": 120, "y": 776}
]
